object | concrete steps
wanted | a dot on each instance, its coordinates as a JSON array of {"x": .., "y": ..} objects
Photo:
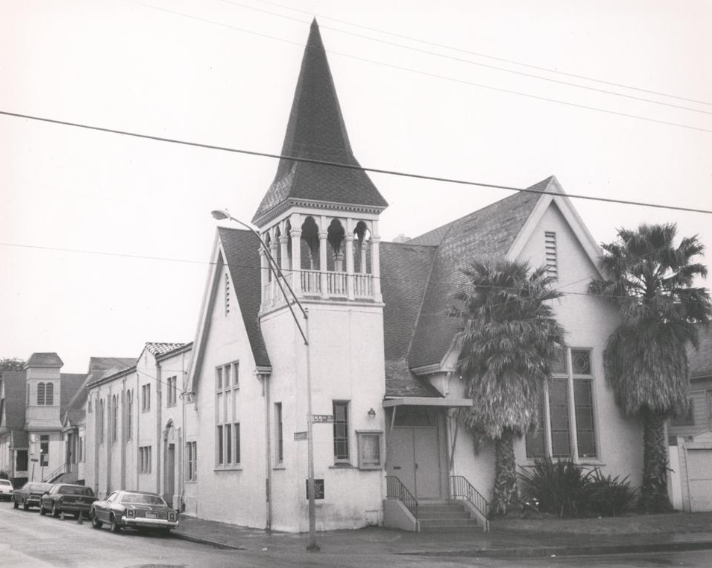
[{"x": 445, "y": 516}]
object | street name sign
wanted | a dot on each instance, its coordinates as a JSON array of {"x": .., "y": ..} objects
[
  {"x": 322, "y": 418},
  {"x": 298, "y": 436}
]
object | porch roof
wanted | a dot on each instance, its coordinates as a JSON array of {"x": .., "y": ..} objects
[{"x": 426, "y": 401}]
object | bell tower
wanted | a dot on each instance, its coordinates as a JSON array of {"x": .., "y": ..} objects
[{"x": 320, "y": 221}]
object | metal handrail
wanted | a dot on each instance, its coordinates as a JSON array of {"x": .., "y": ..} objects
[
  {"x": 463, "y": 489},
  {"x": 57, "y": 472},
  {"x": 396, "y": 490}
]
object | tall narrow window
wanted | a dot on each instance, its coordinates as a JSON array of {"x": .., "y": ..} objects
[
  {"x": 191, "y": 473},
  {"x": 40, "y": 394},
  {"x": 341, "y": 432},
  {"x": 236, "y": 441},
  {"x": 49, "y": 394},
  {"x": 172, "y": 397},
  {"x": 552, "y": 267},
  {"x": 226, "y": 415},
  {"x": 44, "y": 450},
  {"x": 100, "y": 419},
  {"x": 279, "y": 439},
  {"x": 114, "y": 417},
  {"x": 145, "y": 398},
  {"x": 227, "y": 293},
  {"x": 129, "y": 414}
]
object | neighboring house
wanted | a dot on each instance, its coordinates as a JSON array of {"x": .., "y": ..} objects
[
  {"x": 690, "y": 434},
  {"x": 380, "y": 367},
  {"x": 74, "y": 417},
  {"x": 34, "y": 399},
  {"x": 134, "y": 437}
]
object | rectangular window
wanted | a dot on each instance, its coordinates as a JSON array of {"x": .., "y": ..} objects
[
  {"x": 341, "y": 432},
  {"x": 21, "y": 462},
  {"x": 129, "y": 414},
  {"x": 226, "y": 415},
  {"x": 172, "y": 397},
  {"x": 144, "y": 461},
  {"x": 236, "y": 440},
  {"x": 279, "y": 439},
  {"x": 221, "y": 447},
  {"x": 191, "y": 451},
  {"x": 44, "y": 450},
  {"x": 552, "y": 266},
  {"x": 566, "y": 411},
  {"x": 146, "y": 398},
  {"x": 686, "y": 418},
  {"x": 369, "y": 450}
]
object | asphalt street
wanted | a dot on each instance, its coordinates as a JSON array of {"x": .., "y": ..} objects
[{"x": 28, "y": 540}]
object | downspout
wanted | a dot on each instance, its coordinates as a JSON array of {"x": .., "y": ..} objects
[
  {"x": 264, "y": 375},
  {"x": 159, "y": 437}
]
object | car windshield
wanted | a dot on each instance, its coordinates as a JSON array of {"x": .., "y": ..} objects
[
  {"x": 69, "y": 490},
  {"x": 39, "y": 487},
  {"x": 5, "y": 482},
  {"x": 140, "y": 499}
]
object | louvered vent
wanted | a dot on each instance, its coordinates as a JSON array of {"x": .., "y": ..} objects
[{"x": 552, "y": 266}]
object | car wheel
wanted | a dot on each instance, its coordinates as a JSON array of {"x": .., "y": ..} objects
[
  {"x": 113, "y": 525},
  {"x": 15, "y": 505},
  {"x": 42, "y": 510},
  {"x": 55, "y": 512},
  {"x": 25, "y": 506},
  {"x": 95, "y": 523}
]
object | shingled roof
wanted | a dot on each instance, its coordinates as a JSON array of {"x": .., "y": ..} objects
[
  {"x": 15, "y": 388},
  {"x": 243, "y": 260},
  {"x": 44, "y": 360},
  {"x": 316, "y": 131},
  {"x": 486, "y": 233}
]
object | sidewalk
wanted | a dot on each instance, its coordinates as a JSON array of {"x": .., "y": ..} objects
[{"x": 646, "y": 533}]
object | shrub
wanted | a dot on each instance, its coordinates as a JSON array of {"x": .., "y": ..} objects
[
  {"x": 561, "y": 486},
  {"x": 610, "y": 496}
]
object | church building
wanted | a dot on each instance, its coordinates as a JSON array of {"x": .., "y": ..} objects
[{"x": 314, "y": 315}]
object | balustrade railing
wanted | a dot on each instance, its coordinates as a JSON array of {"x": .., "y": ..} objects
[
  {"x": 336, "y": 283},
  {"x": 363, "y": 285},
  {"x": 310, "y": 284},
  {"x": 396, "y": 490},
  {"x": 310, "y": 281}
]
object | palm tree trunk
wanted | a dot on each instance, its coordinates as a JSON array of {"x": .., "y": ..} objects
[
  {"x": 506, "y": 493},
  {"x": 654, "y": 491}
]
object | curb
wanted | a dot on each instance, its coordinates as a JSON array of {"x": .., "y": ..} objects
[
  {"x": 201, "y": 540},
  {"x": 540, "y": 552}
]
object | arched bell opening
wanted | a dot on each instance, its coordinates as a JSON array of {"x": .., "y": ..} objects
[
  {"x": 362, "y": 249},
  {"x": 310, "y": 245},
  {"x": 335, "y": 238}
]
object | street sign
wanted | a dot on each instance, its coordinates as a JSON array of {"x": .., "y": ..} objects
[
  {"x": 34, "y": 459},
  {"x": 318, "y": 489},
  {"x": 298, "y": 436},
  {"x": 322, "y": 418}
]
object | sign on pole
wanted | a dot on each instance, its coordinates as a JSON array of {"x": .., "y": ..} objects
[
  {"x": 299, "y": 436},
  {"x": 322, "y": 418}
]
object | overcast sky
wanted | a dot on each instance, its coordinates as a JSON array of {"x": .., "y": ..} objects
[{"x": 77, "y": 207}]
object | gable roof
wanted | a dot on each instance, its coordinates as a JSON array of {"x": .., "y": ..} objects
[
  {"x": 70, "y": 385},
  {"x": 486, "y": 233},
  {"x": 159, "y": 349},
  {"x": 15, "y": 383},
  {"x": 44, "y": 360},
  {"x": 316, "y": 131},
  {"x": 243, "y": 262}
]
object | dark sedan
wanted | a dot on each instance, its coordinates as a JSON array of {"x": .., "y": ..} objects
[
  {"x": 66, "y": 498},
  {"x": 30, "y": 493},
  {"x": 134, "y": 509}
]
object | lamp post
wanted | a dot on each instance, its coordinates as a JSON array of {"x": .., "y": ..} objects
[{"x": 220, "y": 215}]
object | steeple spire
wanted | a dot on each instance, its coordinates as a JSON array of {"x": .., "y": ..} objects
[{"x": 316, "y": 131}]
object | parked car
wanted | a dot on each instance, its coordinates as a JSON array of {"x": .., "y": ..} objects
[
  {"x": 67, "y": 498},
  {"x": 30, "y": 493},
  {"x": 134, "y": 509},
  {"x": 6, "y": 490}
]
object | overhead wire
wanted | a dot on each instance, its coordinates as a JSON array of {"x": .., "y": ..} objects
[
  {"x": 468, "y": 61},
  {"x": 434, "y": 75},
  {"x": 486, "y": 56},
  {"x": 347, "y": 166}
]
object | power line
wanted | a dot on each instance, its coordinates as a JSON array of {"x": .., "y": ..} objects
[
  {"x": 468, "y": 61},
  {"x": 350, "y": 166},
  {"x": 433, "y": 75},
  {"x": 486, "y": 56}
]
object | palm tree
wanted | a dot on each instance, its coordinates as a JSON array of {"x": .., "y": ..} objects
[
  {"x": 509, "y": 342},
  {"x": 651, "y": 282}
]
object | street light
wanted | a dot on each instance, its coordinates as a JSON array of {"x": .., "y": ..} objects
[{"x": 221, "y": 215}]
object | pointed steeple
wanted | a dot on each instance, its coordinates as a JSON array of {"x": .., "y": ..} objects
[{"x": 316, "y": 131}]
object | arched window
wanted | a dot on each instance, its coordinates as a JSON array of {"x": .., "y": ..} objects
[
  {"x": 49, "y": 394},
  {"x": 101, "y": 421},
  {"x": 40, "y": 394},
  {"x": 129, "y": 413}
]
